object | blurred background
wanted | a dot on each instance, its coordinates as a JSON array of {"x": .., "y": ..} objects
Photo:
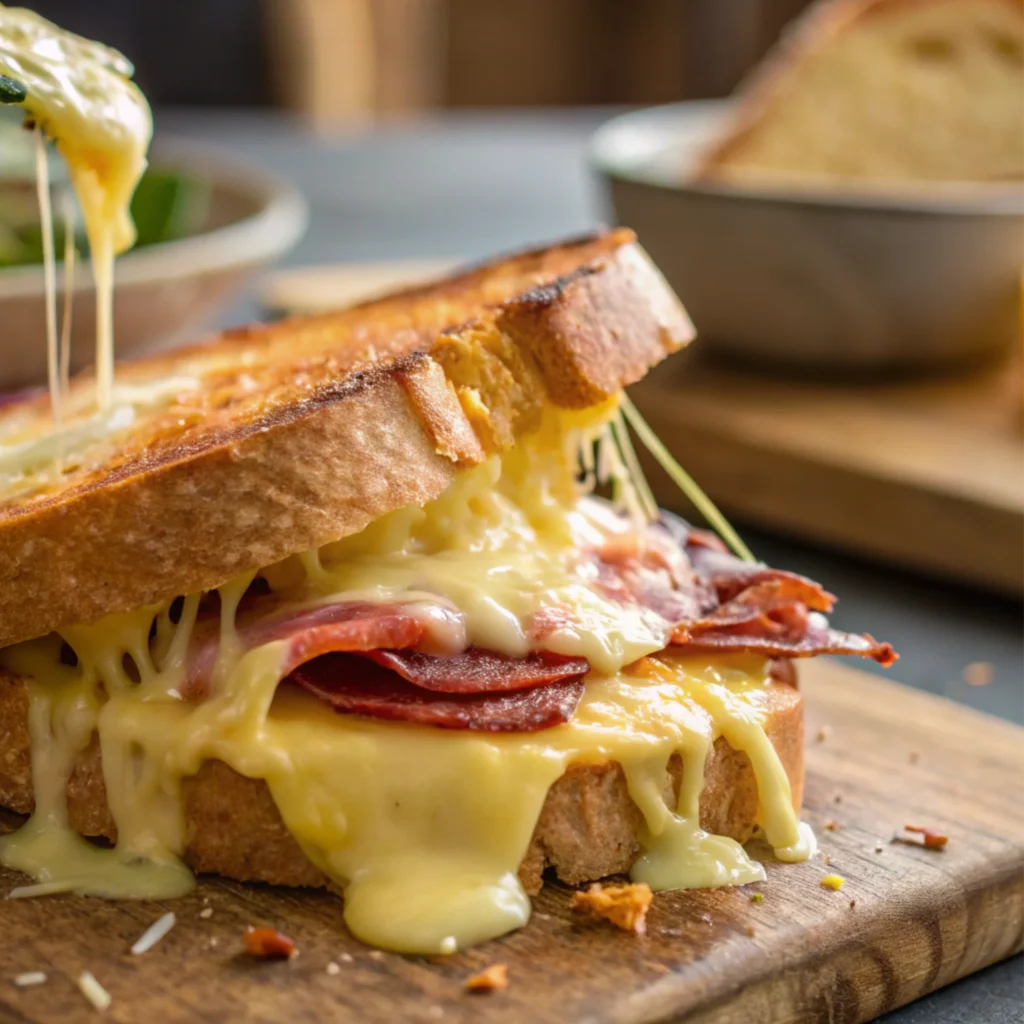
[{"x": 334, "y": 59}]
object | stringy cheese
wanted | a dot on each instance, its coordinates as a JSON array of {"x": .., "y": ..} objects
[
  {"x": 425, "y": 828},
  {"x": 81, "y": 95}
]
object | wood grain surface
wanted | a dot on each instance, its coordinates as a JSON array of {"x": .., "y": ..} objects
[
  {"x": 925, "y": 475},
  {"x": 907, "y": 921}
]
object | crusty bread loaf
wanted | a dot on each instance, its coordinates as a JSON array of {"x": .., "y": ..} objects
[
  {"x": 302, "y": 432},
  {"x": 885, "y": 89},
  {"x": 587, "y": 829}
]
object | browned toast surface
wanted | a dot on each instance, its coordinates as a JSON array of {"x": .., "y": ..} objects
[
  {"x": 588, "y": 827},
  {"x": 274, "y": 439}
]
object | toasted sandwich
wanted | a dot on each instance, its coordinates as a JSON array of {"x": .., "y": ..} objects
[{"x": 378, "y": 601}]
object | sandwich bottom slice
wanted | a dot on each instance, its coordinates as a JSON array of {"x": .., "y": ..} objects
[{"x": 430, "y": 713}]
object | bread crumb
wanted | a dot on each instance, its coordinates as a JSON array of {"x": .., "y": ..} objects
[
  {"x": 625, "y": 906},
  {"x": 707, "y": 919},
  {"x": 750, "y": 930},
  {"x": 213, "y": 942},
  {"x": 833, "y": 882},
  {"x": 978, "y": 673},
  {"x": 824, "y": 732},
  {"x": 930, "y": 838},
  {"x": 346, "y": 958},
  {"x": 879, "y": 847},
  {"x": 376, "y": 954},
  {"x": 206, "y": 913},
  {"x": 826, "y": 859},
  {"x": 270, "y": 944},
  {"x": 831, "y": 826},
  {"x": 333, "y": 968},
  {"x": 491, "y": 979},
  {"x": 853, "y": 903}
]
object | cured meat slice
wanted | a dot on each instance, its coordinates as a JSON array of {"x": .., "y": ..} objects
[
  {"x": 476, "y": 670},
  {"x": 355, "y": 685}
]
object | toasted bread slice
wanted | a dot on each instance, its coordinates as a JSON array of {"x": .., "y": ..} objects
[
  {"x": 587, "y": 829},
  {"x": 278, "y": 438},
  {"x": 885, "y": 89}
]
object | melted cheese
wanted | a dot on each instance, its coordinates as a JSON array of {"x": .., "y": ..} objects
[
  {"x": 423, "y": 828},
  {"x": 81, "y": 95}
]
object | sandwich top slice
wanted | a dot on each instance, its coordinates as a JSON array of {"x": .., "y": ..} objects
[
  {"x": 337, "y": 602},
  {"x": 918, "y": 90}
]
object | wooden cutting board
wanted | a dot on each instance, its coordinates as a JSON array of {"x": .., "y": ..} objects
[
  {"x": 926, "y": 475},
  {"x": 908, "y": 920}
]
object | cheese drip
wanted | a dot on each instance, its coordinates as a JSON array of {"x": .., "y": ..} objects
[
  {"x": 423, "y": 828},
  {"x": 81, "y": 95}
]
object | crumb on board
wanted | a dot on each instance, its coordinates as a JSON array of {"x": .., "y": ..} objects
[
  {"x": 824, "y": 732},
  {"x": 206, "y": 913},
  {"x": 757, "y": 897},
  {"x": 838, "y": 798},
  {"x": 346, "y": 958},
  {"x": 914, "y": 757},
  {"x": 879, "y": 847},
  {"x": 826, "y": 859},
  {"x": 831, "y": 826},
  {"x": 490, "y": 979},
  {"x": 929, "y": 837},
  {"x": 269, "y": 943},
  {"x": 833, "y": 882},
  {"x": 625, "y": 906},
  {"x": 978, "y": 673},
  {"x": 332, "y": 967},
  {"x": 707, "y": 919},
  {"x": 376, "y": 954},
  {"x": 750, "y": 930},
  {"x": 853, "y": 903}
]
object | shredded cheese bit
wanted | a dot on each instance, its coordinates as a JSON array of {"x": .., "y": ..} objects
[
  {"x": 833, "y": 882},
  {"x": 625, "y": 906},
  {"x": 94, "y": 991},
  {"x": 492, "y": 979},
  {"x": 153, "y": 934},
  {"x": 29, "y": 978}
]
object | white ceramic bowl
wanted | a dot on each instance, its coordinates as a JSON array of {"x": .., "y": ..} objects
[
  {"x": 901, "y": 277},
  {"x": 164, "y": 290}
]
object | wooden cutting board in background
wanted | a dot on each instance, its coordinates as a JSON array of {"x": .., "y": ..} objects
[
  {"x": 907, "y": 921},
  {"x": 928, "y": 476}
]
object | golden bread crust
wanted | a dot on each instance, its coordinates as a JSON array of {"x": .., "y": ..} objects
[
  {"x": 587, "y": 829},
  {"x": 302, "y": 432}
]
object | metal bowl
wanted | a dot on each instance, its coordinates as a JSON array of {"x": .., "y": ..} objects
[{"x": 819, "y": 275}]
